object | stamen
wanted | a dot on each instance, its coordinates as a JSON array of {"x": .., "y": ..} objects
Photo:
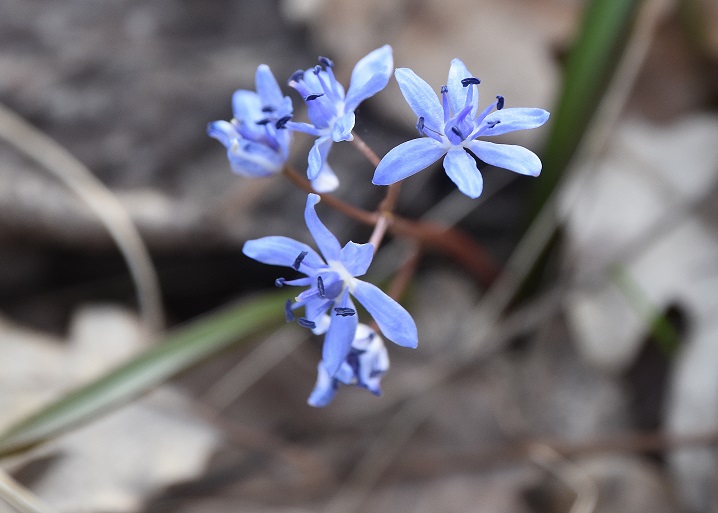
[
  {"x": 457, "y": 131},
  {"x": 317, "y": 69},
  {"x": 344, "y": 312},
  {"x": 492, "y": 124},
  {"x": 320, "y": 286},
  {"x": 279, "y": 282},
  {"x": 306, "y": 323},
  {"x": 466, "y": 82},
  {"x": 298, "y": 260},
  {"x": 263, "y": 121},
  {"x": 445, "y": 103},
  {"x": 326, "y": 62},
  {"x": 313, "y": 96},
  {"x": 420, "y": 125},
  {"x": 499, "y": 102},
  {"x": 288, "y": 314},
  {"x": 281, "y": 122},
  {"x": 297, "y": 76},
  {"x": 268, "y": 108}
]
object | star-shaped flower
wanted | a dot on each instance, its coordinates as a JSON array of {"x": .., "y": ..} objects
[
  {"x": 366, "y": 364},
  {"x": 330, "y": 111},
  {"x": 452, "y": 125},
  {"x": 256, "y": 138},
  {"x": 332, "y": 281}
]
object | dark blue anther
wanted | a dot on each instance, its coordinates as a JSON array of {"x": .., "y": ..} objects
[
  {"x": 317, "y": 69},
  {"x": 298, "y": 260},
  {"x": 326, "y": 62},
  {"x": 263, "y": 121},
  {"x": 492, "y": 124},
  {"x": 297, "y": 76},
  {"x": 456, "y": 130},
  {"x": 306, "y": 323},
  {"x": 279, "y": 282},
  {"x": 499, "y": 102},
  {"x": 268, "y": 108},
  {"x": 466, "y": 82},
  {"x": 320, "y": 287},
  {"x": 281, "y": 122},
  {"x": 344, "y": 312},
  {"x": 313, "y": 96},
  {"x": 420, "y": 125},
  {"x": 444, "y": 89},
  {"x": 288, "y": 311}
]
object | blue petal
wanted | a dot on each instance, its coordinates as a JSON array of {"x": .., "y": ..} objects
[
  {"x": 327, "y": 243},
  {"x": 357, "y": 257},
  {"x": 246, "y": 106},
  {"x": 421, "y": 98},
  {"x": 268, "y": 89},
  {"x": 338, "y": 340},
  {"x": 407, "y": 159},
  {"x": 326, "y": 180},
  {"x": 324, "y": 390},
  {"x": 316, "y": 307},
  {"x": 305, "y": 128},
  {"x": 394, "y": 322},
  {"x": 343, "y": 127},
  {"x": 318, "y": 156},
  {"x": 223, "y": 131},
  {"x": 462, "y": 170},
  {"x": 370, "y": 75},
  {"x": 507, "y": 156},
  {"x": 510, "y": 120},
  {"x": 253, "y": 159},
  {"x": 277, "y": 250},
  {"x": 457, "y": 92}
]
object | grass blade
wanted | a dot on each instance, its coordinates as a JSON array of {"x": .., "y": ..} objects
[{"x": 176, "y": 352}]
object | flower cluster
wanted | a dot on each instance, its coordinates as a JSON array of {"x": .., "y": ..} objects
[{"x": 257, "y": 140}]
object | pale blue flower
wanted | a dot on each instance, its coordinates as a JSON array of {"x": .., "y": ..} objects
[
  {"x": 256, "y": 138},
  {"x": 452, "y": 125},
  {"x": 330, "y": 111},
  {"x": 366, "y": 364},
  {"x": 332, "y": 282}
]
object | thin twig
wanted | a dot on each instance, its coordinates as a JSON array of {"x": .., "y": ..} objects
[{"x": 74, "y": 174}]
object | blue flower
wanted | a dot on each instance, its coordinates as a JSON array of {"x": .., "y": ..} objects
[
  {"x": 332, "y": 282},
  {"x": 454, "y": 124},
  {"x": 330, "y": 111},
  {"x": 256, "y": 138},
  {"x": 366, "y": 364}
]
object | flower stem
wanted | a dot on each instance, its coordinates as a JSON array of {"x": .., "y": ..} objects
[
  {"x": 451, "y": 241},
  {"x": 361, "y": 215},
  {"x": 365, "y": 150}
]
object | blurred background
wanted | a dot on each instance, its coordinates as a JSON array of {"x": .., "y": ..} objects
[{"x": 583, "y": 379}]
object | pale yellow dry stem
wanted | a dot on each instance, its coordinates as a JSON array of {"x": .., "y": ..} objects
[{"x": 74, "y": 174}]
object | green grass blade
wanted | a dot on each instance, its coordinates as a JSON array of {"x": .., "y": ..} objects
[
  {"x": 590, "y": 66},
  {"x": 176, "y": 352}
]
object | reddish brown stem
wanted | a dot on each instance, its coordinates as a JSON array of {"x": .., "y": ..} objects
[
  {"x": 366, "y": 150},
  {"x": 455, "y": 243}
]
